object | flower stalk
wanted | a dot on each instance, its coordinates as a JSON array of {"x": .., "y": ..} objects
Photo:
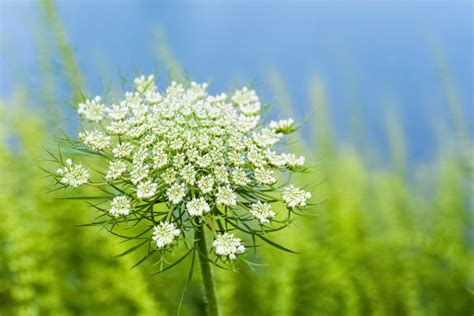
[{"x": 206, "y": 272}]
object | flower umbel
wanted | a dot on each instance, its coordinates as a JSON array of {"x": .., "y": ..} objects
[
  {"x": 182, "y": 160},
  {"x": 116, "y": 169},
  {"x": 92, "y": 110},
  {"x": 73, "y": 174},
  {"x": 295, "y": 197},
  {"x": 120, "y": 206},
  {"x": 197, "y": 207},
  {"x": 95, "y": 139},
  {"x": 146, "y": 190},
  {"x": 225, "y": 196},
  {"x": 262, "y": 211},
  {"x": 226, "y": 245},
  {"x": 164, "y": 234}
]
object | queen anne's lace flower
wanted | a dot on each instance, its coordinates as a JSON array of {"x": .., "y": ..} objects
[
  {"x": 146, "y": 190},
  {"x": 116, "y": 169},
  {"x": 144, "y": 84},
  {"x": 226, "y": 245},
  {"x": 225, "y": 196},
  {"x": 164, "y": 234},
  {"x": 192, "y": 154},
  {"x": 295, "y": 197},
  {"x": 176, "y": 193},
  {"x": 169, "y": 176},
  {"x": 197, "y": 207},
  {"x": 118, "y": 127},
  {"x": 204, "y": 161},
  {"x": 120, "y": 205},
  {"x": 188, "y": 173},
  {"x": 117, "y": 112},
  {"x": 293, "y": 161},
  {"x": 92, "y": 110},
  {"x": 264, "y": 176},
  {"x": 73, "y": 174},
  {"x": 139, "y": 172},
  {"x": 235, "y": 157},
  {"x": 160, "y": 159},
  {"x": 247, "y": 100},
  {"x": 256, "y": 157},
  {"x": 266, "y": 138},
  {"x": 95, "y": 139},
  {"x": 282, "y": 126},
  {"x": 262, "y": 211},
  {"x": 221, "y": 174},
  {"x": 206, "y": 184},
  {"x": 179, "y": 160},
  {"x": 240, "y": 177},
  {"x": 274, "y": 159},
  {"x": 123, "y": 150}
]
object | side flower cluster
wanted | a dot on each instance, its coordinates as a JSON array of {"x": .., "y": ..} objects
[
  {"x": 164, "y": 234},
  {"x": 226, "y": 245},
  {"x": 73, "y": 175}
]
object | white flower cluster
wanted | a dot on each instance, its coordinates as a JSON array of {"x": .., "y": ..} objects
[
  {"x": 116, "y": 169},
  {"x": 73, "y": 174},
  {"x": 197, "y": 207},
  {"x": 295, "y": 197},
  {"x": 194, "y": 151},
  {"x": 164, "y": 234},
  {"x": 225, "y": 196},
  {"x": 226, "y": 245},
  {"x": 146, "y": 190},
  {"x": 93, "y": 109},
  {"x": 262, "y": 211},
  {"x": 282, "y": 126},
  {"x": 95, "y": 139},
  {"x": 120, "y": 205}
]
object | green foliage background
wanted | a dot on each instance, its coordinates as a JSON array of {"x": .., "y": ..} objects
[{"x": 391, "y": 240}]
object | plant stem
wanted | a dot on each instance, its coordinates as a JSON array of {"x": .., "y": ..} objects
[{"x": 208, "y": 283}]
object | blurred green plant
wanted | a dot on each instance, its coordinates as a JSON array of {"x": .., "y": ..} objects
[{"x": 386, "y": 242}]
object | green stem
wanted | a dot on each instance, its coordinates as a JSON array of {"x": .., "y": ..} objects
[{"x": 208, "y": 283}]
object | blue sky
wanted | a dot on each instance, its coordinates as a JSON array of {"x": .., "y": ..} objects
[{"x": 379, "y": 51}]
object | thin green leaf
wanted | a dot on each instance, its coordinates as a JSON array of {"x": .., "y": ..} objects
[
  {"x": 274, "y": 244},
  {"x": 130, "y": 250},
  {"x": 173, "y": 264},
  {"x": 188, "y": 281}
]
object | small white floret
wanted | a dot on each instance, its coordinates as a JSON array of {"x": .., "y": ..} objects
[
  {"x": 206, "y": 184},
  {"x": 73, "y": 174},
  {"x": 164, "y": 234},
  {"x": 95, "y": 139},
  {"x": 197, "y": 207},
  {"x": 226, "y": 245},
  {"x": 176, "y": 193},
  {"x": 282, "y": 126},
  {"x": 146, "y": 190},
  {"x": 120, "y": 205},
  {"x": 295, "y": 197},
  {"x": 123, "y": 150},
  {"x": 262, "y": 211},
  {"x": 93, "y": 109},
  {"x": 264, "y": 176},
  {"x": 116, "y": 169},
  {"x": 225, "y": 196}
]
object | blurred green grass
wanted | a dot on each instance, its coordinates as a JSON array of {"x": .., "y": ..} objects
[{"x": 392, "y": 240}]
